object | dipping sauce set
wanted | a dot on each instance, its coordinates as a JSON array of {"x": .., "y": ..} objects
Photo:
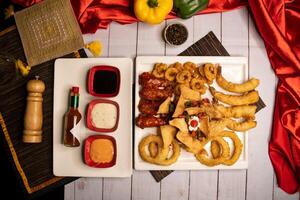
[{"x": 102, "y": 116}]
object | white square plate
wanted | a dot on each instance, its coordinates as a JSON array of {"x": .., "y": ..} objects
[
  {"x": 68, "y": 161},
  {"x": 234, "y": 69}
]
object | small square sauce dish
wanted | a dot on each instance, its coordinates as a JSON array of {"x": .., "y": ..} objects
[
  {"x": 100, "y": 151},
  {"x": 102, "y": 115},
  {"x": 104, "y": 81}
]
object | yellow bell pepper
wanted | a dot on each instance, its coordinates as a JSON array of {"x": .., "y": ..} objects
[{"x": 152, "y": 11}]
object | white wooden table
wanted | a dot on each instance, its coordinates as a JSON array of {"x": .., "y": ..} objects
[{"x": 237, "y": 33}]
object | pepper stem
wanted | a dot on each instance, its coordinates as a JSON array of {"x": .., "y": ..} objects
[{"x": 152, "y": 3}]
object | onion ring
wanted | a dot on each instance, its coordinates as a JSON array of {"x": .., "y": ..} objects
[
  {"x": 190, "y": 66},
  {"x": 210, "y": 71},
  {"x": 184, "y": 77},
  {"x": 153, "y": 149},
  {"x": 215, "y": 149},
  {"x": 202, "y": 155},
  {"x": 177, "y": 65},
  {"x": 238, "y": 147},
  {"x": 145, "y": 142},
  {"x": 159, "y": 70},
  {"x": 159, "y": 160},
  {"x": 198, "y": 85},
  {"x": 171, "y": 73}
]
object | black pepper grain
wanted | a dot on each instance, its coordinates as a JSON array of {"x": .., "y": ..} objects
[{"x": 176, "y": 34}]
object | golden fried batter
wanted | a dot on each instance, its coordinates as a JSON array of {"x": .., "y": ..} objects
[
  {"x": 247, "y": 86},
  {"x": 210, "y": 71},
  {"x": 245, "y": 99},
  {"x": 145, "y": 142},
  {"x": 215, "y": 149},
  {"x": 153, "y": 149},
  {"x": 238, "y": 146},
  {"x": 171, "y": 73},
  {"x": 198, "y": 85},
  {"x": 246, "y": 111},
  {"x": 159, "y": 70},
  {"x": 241, "y": 126},
  {"x": 193, "y": 145},
  {"x": 202, "y": 155},
  {"x": 184, "y": 77}
]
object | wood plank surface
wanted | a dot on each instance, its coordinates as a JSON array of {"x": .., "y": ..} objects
[
  {"x": 88, "y": 189},
  {"x": 69, "y": 191},
  {"x": 279, "y": 194},
  {"x": 175, "y": 186},
  {"x": 144, "y": 186},
  {"x": 260, "y": 171}
]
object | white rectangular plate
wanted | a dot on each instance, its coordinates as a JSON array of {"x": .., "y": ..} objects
[
  {"x": 68, "y": 161},
  {"x": 234, "y": 69}
]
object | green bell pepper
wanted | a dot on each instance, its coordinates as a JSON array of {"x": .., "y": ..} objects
[{"x": 187, "y": 8}]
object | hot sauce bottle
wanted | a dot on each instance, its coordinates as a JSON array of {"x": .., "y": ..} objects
[{"x": 71, "y": 120}]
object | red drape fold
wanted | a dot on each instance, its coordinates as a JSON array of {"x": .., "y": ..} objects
[{"x": 278, "y": 24}]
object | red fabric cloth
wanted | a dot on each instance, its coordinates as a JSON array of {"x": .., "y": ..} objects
[{"x": 278, "y": 24}]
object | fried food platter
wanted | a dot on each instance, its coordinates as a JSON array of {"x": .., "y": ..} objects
[{"x": 153, "y": 148}]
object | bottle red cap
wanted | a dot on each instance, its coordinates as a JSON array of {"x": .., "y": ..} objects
[{"x": 75, "y": 89}]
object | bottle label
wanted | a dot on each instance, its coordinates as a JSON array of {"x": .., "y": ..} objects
[
  {"x": 75, "y": 101},
  {"x": 76, "y": 129}
]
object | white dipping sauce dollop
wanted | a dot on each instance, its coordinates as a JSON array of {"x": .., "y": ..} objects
[{"x": 104, "y": 115}]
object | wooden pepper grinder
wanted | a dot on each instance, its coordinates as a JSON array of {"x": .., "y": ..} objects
[{"x": 33, "y": 120}]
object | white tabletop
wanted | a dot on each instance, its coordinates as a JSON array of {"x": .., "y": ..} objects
[{"x": 237, "y": 33}]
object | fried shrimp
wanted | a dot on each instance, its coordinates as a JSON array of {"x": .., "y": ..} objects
[
  {"x": 210, "y": 71},
  {"x": 241, "y": 126},
  {"x": 159, "y": 70},
  {"x": 198, "y": 85},
  {"x": 247, "y": 86},
  {"x": 248, "y": 98},
  {"x": 246, "y": 111},
  {"x": 171, "y": 73},
  {"x": 219, "y": 111},
  {"x": 184, "y": 77}
]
